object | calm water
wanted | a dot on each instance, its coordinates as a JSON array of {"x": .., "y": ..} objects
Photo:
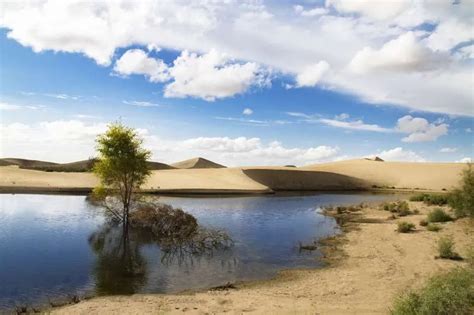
[{"x": 57, "y": 245}]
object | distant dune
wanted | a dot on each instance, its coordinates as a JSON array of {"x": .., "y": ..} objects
[
  {"x": 197, "y": 162},
  {"x": 359, "y": 174},
  {"x": 79, "y": 166}
]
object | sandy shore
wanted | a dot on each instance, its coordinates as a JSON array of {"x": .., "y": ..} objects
[
  {"x": 345, "y": 175},
  {"x": 372, "y": 263}
]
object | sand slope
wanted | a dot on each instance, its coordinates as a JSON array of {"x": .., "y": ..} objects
[
  {"x": 427, "y": 176},
  {"x": 198, "y": 162}
]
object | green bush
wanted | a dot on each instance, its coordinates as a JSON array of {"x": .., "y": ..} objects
[
  {"x": 405, "y": 227},
  {"x": 462, "y": 200},
  {"x": 439, "y": 215},
  {"x": 470, "y": 256},
  {"x": 400, "y": 207},
  {"x": 449, "y": 293},
  {"x": 433, "y": 227},
  {"x": 446, "y": 248},
  {"x": 423, "y": 223},
  {"x": 431, "y": 199}
]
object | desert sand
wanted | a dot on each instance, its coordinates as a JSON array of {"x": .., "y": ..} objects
[
  {"x": 372, "y": 265},
  {"x": 345, "y": 175}
]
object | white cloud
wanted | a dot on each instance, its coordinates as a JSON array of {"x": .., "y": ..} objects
[
  {"x": 465, "y": 160},
  {"x": 14, "y": 107},
  {"x": 448, "y": 150},
  {"x": 62, "y": 96},
  {"x": 419, "y": 129},
  {"x": 353, "y": 125},
  {"x": 264, "y": 34},
  {"x": 380, "y": 10},
  {"x": 50, "y": 140},
  {"x": 311, "y": 75},
  {"x": 247, "y": 111},
  {"x": 254, "y": 122},
  {"x": 210, "y": 76},
  {"x": 404, "y": 53},
  {"x": 141, "y": 103},
  {"x": 400, "y": 154},
  {"x": 136, "y": 61},
  {"x": 299, "y": 9},
  {"x": 468, "y": 130}
]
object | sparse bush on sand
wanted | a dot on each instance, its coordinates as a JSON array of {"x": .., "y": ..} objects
[
  {"x": 405, "y": 227},
  {"x": 432, "y": 227},
  {"x": 444, "y": 294},
  {"x": 462, "y": 199},
  {"x": 423, "y": 222},
  {"x": 446, "y": 248},
  {"x": 400, "y": 207},
  {"x": 431, "y": 199},
  {"x": 438, "y": 215}
]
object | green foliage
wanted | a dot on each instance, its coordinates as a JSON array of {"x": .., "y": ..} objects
[
  {"x": 439, "y": 215},
  {"x": 446, "y": 248},
  {"x": 122, "y": 164},
  {"x": 423, "y": 223},
  {"x": 444, "y": 294},
  {"x": 470, "y": 256},
  {"x": 431, "y": 199},
  {"x": 400, "y": 207},
  {"x": 405, "y": 227},
  {"x": 462, "y": 199},
  {"x": 433, "y": 227}
]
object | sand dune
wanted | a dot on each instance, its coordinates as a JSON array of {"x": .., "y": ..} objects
[
  {"x": 197, "y": 162},
  {"x": 426, "y": 176},
  {"x": 345, "y": 175}
]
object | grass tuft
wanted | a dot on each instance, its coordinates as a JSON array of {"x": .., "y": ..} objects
[
  {"x": 405, "y": 227},
  {"x": 439, "y": 215},
  {"x": 432, "y": 227}
]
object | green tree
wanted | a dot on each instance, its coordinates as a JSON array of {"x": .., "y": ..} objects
[
  {"x": 121, "y": 167},
  {"x": 462, "y": 199}
]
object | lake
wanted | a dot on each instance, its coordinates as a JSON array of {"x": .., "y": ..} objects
[{"x": 53, "y": 246}]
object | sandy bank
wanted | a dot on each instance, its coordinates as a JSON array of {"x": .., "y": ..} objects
[{"x": 376, "y": 264}]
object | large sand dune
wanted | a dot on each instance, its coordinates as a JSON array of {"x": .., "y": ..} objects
[
  {"x": 198, "y": 162},
  {"x": 345, "y": 175}
]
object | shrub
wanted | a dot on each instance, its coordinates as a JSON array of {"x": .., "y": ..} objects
[
  {"x": 446, "y": 248},
  {"x": 448, "y": 293},
  {"x": 400, "y": 207},
  {"x": 431, "y": 199},
  {"x": 423, "y": 223},
  {"x": 470, "y": 256},
  {"x": 405, "y": 227},
  {"x": 433, "y": 227},
  {"x": 439, "y": 215},
  {"x": 462, "y": 199}
]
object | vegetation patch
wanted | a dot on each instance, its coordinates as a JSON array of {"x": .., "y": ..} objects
[
  {"x": 446, "y": 249},
  {"x": 449, "y": 293},
  {"x": 405, "y": 227},
  {"x": 462, "y": 199},
  {"x": 424, "y": 223},
  {"x": 439, "y": 215},
  {"x": 432, "y": 227},
  {"x": 431, "y": 199}
]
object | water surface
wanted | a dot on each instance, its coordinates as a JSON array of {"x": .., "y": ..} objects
[{"x": 59, "y": 245}]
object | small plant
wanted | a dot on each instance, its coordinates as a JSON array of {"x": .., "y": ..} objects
[
  {"x": 439, "y": 215},
  {"x": 449, "y": 293},
  {"x": 433, "y": 227},
  {"x": 423, "y": 223},
  {"x": 405, "y": 227},
  {"x": 431, "y": 199},
  {"x": 416, "y": 211},
  {"x": 446, "y": 248},
  {"x": 470, "y": 256},
  {"x": 462, "y": 199},
  {"x": 400, "y": 207}
]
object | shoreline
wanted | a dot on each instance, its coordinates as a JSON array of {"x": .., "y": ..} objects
[{"x": 368, "y": 264}]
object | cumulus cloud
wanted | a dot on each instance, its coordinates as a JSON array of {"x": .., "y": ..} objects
[
  {"x": 400, "y": 154},
  {"x": 137, "y": 61},
  {"x": 312, "y": 74},
  {"x": 247, "y": 111},
  {"x": 210, "y": 76},
  {"x": 419, "y": 129},
  {"x": 264, "y": 35},
  {"x": 404, "y": 53},
  {"x": 317, "y": 11}
]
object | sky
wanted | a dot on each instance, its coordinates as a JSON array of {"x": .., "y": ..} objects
[{"x": 240, "y": 82}]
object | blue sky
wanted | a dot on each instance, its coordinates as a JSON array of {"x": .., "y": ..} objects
[{"x": 58, "y": 92}]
